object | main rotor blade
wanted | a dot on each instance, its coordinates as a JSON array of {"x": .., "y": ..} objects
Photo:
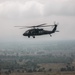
[
  {"x": 36, "y": 25},
  {"x": 32, "y": 26},
  {"x": 47, "y": 25},
  {"x": 19, "y": 26},
  {"x": 41, "y": 24}
]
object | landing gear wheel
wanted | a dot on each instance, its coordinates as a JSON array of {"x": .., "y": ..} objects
[
  {"x": 33, "y": 36},
  {"x": 28, "y": 36}
]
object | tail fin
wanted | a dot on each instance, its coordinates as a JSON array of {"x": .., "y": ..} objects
[{"x": 54, "y": 29}]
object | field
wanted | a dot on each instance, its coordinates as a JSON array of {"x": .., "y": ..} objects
[
  {"x": 54, "y": 66},
  {"x": 43, "y": 73},
  {"x": 51, "y": 59}
]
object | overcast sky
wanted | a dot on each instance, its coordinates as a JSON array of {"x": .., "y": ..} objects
[{"x": 34, "y": 12}]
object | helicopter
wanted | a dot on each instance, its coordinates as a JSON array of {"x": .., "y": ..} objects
[{"x": 36, "y": 31}]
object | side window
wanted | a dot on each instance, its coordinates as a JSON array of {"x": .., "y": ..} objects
[{"x": 40, "y": 32}]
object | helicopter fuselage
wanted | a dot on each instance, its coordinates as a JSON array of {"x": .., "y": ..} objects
[{"x": 37, "y": 32}]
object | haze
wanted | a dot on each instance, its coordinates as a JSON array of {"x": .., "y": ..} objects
[{"x": 34, "y": 12}]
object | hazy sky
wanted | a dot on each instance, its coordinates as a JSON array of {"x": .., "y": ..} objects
[{"x": 34, "y": 12}]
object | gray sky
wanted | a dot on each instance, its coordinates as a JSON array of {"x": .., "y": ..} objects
[{"x": 34, "y": 12}]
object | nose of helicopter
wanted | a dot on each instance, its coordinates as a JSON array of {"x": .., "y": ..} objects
[{"x": 23, "y": 34}]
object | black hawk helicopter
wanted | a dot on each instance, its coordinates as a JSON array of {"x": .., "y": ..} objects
[{"x": 36, "y": 31}]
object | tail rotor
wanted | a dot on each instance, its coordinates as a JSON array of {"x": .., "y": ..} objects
[{"x": 56, "y": 23}]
